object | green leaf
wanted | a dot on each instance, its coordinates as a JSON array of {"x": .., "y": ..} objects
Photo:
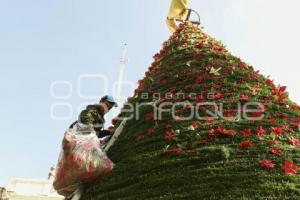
[
  {"x": 273, "y": 136},
  {"x": 191, "y": 128}
]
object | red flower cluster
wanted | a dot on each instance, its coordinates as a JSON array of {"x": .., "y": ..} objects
[
  {"x": 294, "y": 107},
  {"x": 169, "y": 135},
  {"x": 275, "y": 150},
  {"x": 242, "y": 65},
  {"x": 279, "y": 93},
  {"x": 224, "y": 131},
  {"x": 163, "y": 81},
  {"x": 221, "y": 131},
  {"x": 174, "y": 150},
  {"x": 148, "y": 133},
  {"x": 244, "y": 98},
  {"x": 290, "y": 168},
  {"x": 209, "y": 120},
  {"x": 270, "y": 82},
  {"x": 272, "y": 120},
  {"x": 246, "y": 144},
  {"x": 277, "y": 130},
  {"x": 260, "y": 131},
  {"x": 294, "y": 141},
  {"x": 268, "y": 164},
  {"x": 168, "y": 126},
  {"x": 295, "y": 122},
  {"x": 246, "y": 133},
  {"x": 213, "y": 133},
  {"x": 199, "y": 79},
  {"x": 149, "y": 116},
  {"x": 196, "y": 124},
  {"x": 219, "y": 96},
  {"x": 230, "y": 114}
]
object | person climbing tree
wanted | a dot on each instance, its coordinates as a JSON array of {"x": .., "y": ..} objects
[
  {"x": 92, "y": 118},
  {"x": 82, "y": 158}
]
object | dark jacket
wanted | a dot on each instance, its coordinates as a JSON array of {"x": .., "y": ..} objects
[{"x": 92, "y": 118}]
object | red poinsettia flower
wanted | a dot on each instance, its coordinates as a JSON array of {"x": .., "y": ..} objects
[
  {"x": 196, "y": 124},
  {"x": 176, "y": 150},
  {"x": 229, "y": 115},
  {"x": 294, "y": 141},
  {"x": 203, "y": 142},
  {"x": 190, "y": 151},
  {"x": 189, "y": 107},
  {"x": 200, "y": 44},
  {"x": 282, "y": 89},
  {"x": 279, "y": 93},
  {"x": 260, "y": 131},
  {"x": 275, "y": 142},
  {"x": 168, "y": 126},
  {"x": 272, "y": 120},
  {"x": 244, "y": 98},
  {"x": 282, "y": 115},
  {"x": 169, "y": 135},
  {"x": 275, "y": 150},
  {"x": 214, "y": 47},
  {"x": 149, "y": 116},
  {"x": 295, "y": 122},
  {"x": 246, "y": 144},
  {"x": 246, "y": 133},
  {"x": 218, "y": 96},
  {"x": 256, "y": 114},
  {"x": 270, "y": 82},
  {"x": 199, "y": 79},
  {"x": 163, "y": 81},
  {"x": 268, "y": 164},
  {"x": 200, "y": 99},
  {"x": 198, "y": 56},
  {"x": 242, "y": 65},
  {"x": 290, "y": 168},
  {"x": 294, "y": 107},
  {"x": 140, "y": 89},
  {"x": 209, "y": 120},
  {"x": 150, "y": 132},
  {"x": 224, "y": 131},
  {"x": 277, "y": 130},
  {"x": 213, "y": 133}
]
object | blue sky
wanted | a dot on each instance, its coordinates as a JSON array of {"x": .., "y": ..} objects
[{"x": 42, "y": 42}]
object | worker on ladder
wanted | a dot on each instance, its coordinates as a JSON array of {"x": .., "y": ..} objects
[
  {"x": 179, "y": 11},
  {"x": 92, "y": 118}
]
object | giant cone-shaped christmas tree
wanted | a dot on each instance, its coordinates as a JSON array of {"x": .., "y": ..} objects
[{"x": 250, "y": 150}]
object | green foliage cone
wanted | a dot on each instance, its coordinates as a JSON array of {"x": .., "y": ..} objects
[{"x": 204, "y": 158}]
